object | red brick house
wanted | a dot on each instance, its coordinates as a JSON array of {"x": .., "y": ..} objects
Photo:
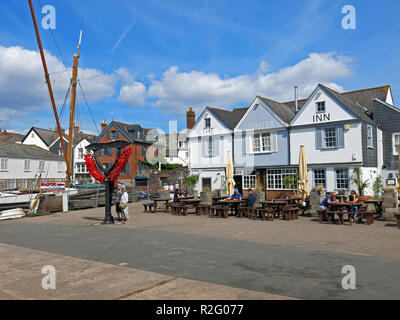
[{"x": 135, "y": 174}]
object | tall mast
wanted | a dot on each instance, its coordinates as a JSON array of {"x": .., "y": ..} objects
[
  {"x": 73, "y": 98},
  {"x": 47, "y": 76}
]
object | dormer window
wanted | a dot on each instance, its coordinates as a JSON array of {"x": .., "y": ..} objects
[
  {"x": 320, "y": 107},
  {"x": 208, "y": 122}
]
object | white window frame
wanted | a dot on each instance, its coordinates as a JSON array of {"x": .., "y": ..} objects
[
  {"x": 370, "y": 137},
  {"x": 258, "y": 142},
  {"x": 4, "y": 164},
  {"x": 60, "y": 166},
  {"x": 27, "y": 165},
  {"x": 274, "y": 178},
  {"x": 207, "y": 123},
  {"x": 80, "y": 153},
  {"x": 395, "y": 150},
  {"x": 317, "y": 105},
  {"x": 315, "y": 177},
  {"x": 336, "y": 179},
  {"x": 325, "y": 137},
  {"x": 249, "y": 181},
  {"x": 210, "y": 147},
  {"x": 41, "y": 165}
]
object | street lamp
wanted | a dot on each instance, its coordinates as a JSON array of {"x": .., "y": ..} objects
[{"x": 108, "y": 182}]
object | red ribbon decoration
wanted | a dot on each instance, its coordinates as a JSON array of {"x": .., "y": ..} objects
[{"x": 120, "y": 165}]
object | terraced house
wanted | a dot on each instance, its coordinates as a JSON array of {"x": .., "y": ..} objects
[{"x": 340, "y": 131}]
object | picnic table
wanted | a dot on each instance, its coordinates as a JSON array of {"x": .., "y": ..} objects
[
  {"x": 276, "y": 205},
  {"x": 337, "y": 208},
  {"x": 189, "y": 203},
  {"x": 166, "y": 200},
  {"x": 234, "y": 204},
  {"x": 378, "y": 204}
]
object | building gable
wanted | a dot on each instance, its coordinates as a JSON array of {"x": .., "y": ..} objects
[
  {"x": 335, "y": 110},
  {"x": 260, "y": 116},
  {"x": 216, "y": 125},
  {"x": 33, "y": 138}
]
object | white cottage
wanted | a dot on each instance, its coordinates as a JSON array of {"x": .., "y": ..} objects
[{"x": 210, "y": 140}]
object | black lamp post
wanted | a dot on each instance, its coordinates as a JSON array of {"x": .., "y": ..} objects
[{"x": 109, "y": 184}]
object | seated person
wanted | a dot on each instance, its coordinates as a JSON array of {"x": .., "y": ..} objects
[
  {"x": 328, "y": 200},
  {"x": 251, "y": 199},
  {"x": 236, "y": 195},
  {"x": 354, "y": 199},
  {"x": 177, "y": 195}
]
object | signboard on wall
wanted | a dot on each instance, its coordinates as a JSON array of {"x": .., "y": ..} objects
[{"x": 52, "y": 186}]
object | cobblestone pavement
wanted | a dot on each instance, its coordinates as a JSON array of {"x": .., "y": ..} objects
[{"x": 161, "y": 256}]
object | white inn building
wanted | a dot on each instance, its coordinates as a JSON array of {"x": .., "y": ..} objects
[{"x": 340, "y": 131}]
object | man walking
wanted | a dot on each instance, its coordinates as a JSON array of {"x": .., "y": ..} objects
[{"x": 118, "y": 196}]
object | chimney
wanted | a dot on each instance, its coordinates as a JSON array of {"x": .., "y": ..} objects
[
  {"x": 296, "y": 98},
  {"x": 103, "y": 125},
  {"x": 190, "y": 118},
  {"x": 76, "y": 130}
]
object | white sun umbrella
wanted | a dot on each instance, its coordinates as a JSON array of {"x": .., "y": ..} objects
[
  {"x": 230, "y": 182},
  {"x": 302, "y": 183}
]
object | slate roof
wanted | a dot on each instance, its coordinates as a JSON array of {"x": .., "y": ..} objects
[
  {"x": 18, "y": 150},
  {"x": 48, "y": 136},
  {"x": 12, "y": 137},
  {"x": 366, "y": 97},
  {"x": 128, "y": 130},
  {"x": 349, "y": 103},
  {"x": 283, "y": 111},
  {"x": 229, "y": 118}
]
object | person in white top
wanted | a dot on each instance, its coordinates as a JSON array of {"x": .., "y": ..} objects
[
  {"x": 176, "y": 185},
  {"x": 166, "y": 187},
  {"x": 124, "y": 204},
  {"x": 171, "y": 191}
]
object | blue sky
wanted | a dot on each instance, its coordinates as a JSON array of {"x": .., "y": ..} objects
[{"x": 148, "y": 61}]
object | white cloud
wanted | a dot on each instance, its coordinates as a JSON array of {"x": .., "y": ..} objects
[
  {"x": 180, "y": 90},
  {"x": 22, "y": 82},
  {"x": 132, "y": 94}
]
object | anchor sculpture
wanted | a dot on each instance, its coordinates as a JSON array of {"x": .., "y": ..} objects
[{"x": 108, "y": 175}]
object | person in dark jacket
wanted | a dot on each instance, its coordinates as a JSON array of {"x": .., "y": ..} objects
[{"x": 251, "y": 199}]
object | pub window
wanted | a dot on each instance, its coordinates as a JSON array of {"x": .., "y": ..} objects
[
  {"x": 276, "y": 179},
  {"x": 396, "y": 143},
  {"x": 27, "y": 165},
  {"x": 41, "y": 165},
  {"x": 320, "y": 177},
  {"x": 370, "y": 137},
  {"x": 249, "y": 181},
  {"x": 342, "y": 179},
  {"x": 262, "y": 142},
  {"x": 330, "y": 137},
  {"x": 208, "y": 122},
  {"x": 321, "y": 107},
  {"x": 4, "y": 164}
]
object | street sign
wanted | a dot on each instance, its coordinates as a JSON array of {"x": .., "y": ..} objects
[{"x": 52, "y": 186}]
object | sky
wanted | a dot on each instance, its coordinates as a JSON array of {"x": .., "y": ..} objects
[{"x": 148, "y": 61}]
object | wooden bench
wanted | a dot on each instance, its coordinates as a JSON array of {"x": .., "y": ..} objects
[
  {"x": 219, "y": 211},
  {"x": 290, "y": 213},
  {"x": 149, "y": 207},
  {"x": 203, "y": 209},
  {"x": 363, "y": 213},
  {"x": 176, "y": 208},
  {"x": 263, "y": 213},
  {"x": 397, "y": 215}
]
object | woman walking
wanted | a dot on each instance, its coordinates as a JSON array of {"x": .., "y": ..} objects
[{"x": 124, "y": 205}]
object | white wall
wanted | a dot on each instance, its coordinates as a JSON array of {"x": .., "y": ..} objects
[
  {"x": 16, "y": 169},
  {"x": 217, "y": 178},
  {"x": 335, "y": 111},
  {"x": 34, "y": 139},
  {"x": 196, "y": 158},
  {"x": 306, "y": 137}
]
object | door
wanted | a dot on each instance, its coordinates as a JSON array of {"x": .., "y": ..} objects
[
  {"x": 238, "y": 183},
  {"x": 206, "y": 184}
]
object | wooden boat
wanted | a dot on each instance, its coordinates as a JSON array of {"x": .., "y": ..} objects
[{"x": 12, "y": 214}]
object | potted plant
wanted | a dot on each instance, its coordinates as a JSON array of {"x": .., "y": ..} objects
[
  {"x": 361, "y": 184},
  {"x": 191, "y": 182},
  {"x": 206, "y": 196},
  {"x": 389, "y": 203},
  {"x": 378, "y": 187},
  {"x": 260, "y": 194},
  {"x": 316, "y": 197}
]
